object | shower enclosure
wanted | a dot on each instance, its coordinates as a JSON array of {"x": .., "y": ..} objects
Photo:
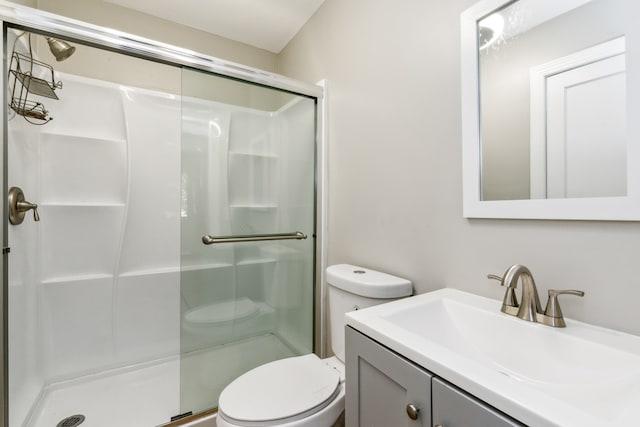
[{"x": 167, "y": 241}]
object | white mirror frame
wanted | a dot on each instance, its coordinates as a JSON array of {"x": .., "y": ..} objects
[{"x": 603, "y": 208}]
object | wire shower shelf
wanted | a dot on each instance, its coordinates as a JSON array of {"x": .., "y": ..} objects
[{"x": 24, "y": 81}]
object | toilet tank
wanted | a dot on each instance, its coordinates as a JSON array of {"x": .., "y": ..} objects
[{"x": 352, "y": 288}]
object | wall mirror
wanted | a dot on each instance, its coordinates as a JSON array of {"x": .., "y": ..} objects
[{"x": 549, "y": 97}]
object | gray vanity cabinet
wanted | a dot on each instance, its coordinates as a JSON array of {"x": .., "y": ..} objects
[
  {"x": 384, "y": 388},
  {"x": 453, "y": 407},
  {"x": 381, "y": 384}
]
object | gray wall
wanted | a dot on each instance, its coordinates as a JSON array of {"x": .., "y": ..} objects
[
  {"x": 30, "y": 3},
  {"x": 110, "y": 66},
  {"x": 395, "y": 200},
  {"x": 110, "y": 15}
]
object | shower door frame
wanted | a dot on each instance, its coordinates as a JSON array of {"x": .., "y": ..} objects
[{"x": 109, "y": 39}]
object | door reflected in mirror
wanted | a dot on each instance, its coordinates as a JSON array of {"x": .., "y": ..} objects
[{"x": 553, "y": 116}]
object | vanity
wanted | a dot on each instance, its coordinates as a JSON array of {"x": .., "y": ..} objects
[
  {"x": 381, "y": 382},
  {"x": 450, "y": 358}
]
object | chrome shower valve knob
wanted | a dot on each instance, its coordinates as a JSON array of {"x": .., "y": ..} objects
[{"x": 18, "y": 206}]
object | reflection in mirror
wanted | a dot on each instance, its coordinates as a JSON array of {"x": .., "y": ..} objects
[{"x": 553, "y": 100}]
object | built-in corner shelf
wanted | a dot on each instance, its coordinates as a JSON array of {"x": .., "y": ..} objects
[
  {"x": 82, "y": 204},
  {"x": 76, "y": 136},
  {"x": 206, "y": 266},
  {"x": 151, "y": 272},
  {"x": 218, "y": 265},
  {"x": 255, "y": 208},
  {"x": 256, "y": 261},
  {"x": 265, "y": 156},
  {"x": 135, "y": 273},
  {"x": 76, "y": 278}
]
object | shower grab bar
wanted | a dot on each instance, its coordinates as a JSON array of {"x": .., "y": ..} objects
[{"x": 209, "y": 240}]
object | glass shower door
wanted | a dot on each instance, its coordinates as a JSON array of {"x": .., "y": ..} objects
[{"x": 247, "y": 231}]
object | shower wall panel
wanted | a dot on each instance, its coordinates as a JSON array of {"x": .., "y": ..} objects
[
  {"x": 95, "y": 284},
  {"x": 147, "y": 299},
  {"x": 110, "y": 230}
]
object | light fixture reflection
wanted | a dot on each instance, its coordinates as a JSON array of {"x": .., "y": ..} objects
[{"x": 489, "y": 30}]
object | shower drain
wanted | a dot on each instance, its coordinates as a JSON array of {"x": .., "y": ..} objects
[{"x": 72, "y": 421}]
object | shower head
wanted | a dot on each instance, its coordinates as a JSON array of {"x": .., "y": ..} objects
[{"x": 60, "y": 49}]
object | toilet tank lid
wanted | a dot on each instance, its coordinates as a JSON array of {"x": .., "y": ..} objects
[{"x": 367, "y": 283}]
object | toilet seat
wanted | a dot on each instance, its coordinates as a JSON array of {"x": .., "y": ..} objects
[{"x": 282, "y": 391}]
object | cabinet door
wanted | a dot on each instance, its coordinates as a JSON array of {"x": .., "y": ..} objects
[
  {"x": 454, "y": 408},
  {"x": 381, "y": 384}
]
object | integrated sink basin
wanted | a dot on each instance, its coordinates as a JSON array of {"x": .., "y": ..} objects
[{"x": 581, "y": 375}]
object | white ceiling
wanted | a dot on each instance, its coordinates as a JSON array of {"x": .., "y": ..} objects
[{"x": 266, "y": 24}]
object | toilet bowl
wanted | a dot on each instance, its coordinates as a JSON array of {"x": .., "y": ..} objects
[{"x": 306, "y": 390}]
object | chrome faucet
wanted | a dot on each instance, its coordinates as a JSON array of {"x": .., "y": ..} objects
[{"x": 529, "y": 308}]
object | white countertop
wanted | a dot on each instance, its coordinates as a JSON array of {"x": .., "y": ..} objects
[{"x": 581, "y": 375}]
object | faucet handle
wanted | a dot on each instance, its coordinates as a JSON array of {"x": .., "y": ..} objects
[
  {"x": 510, "y": 299},
  {"x": 553, "y": 307},
  {"x": 495, "y": 277},
  {"x": 25, "y": 206}
]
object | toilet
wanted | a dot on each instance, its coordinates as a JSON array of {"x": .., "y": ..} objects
[{"x": 306, "y": 390}]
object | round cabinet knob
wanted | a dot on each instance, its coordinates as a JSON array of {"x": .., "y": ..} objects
[{"x": 412, "y": 411}]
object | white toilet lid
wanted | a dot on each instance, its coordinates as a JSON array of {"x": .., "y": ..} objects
[{"x": 286, "y": 388}]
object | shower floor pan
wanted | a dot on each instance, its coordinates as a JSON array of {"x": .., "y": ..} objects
[{"x": 149, "y": 395}]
